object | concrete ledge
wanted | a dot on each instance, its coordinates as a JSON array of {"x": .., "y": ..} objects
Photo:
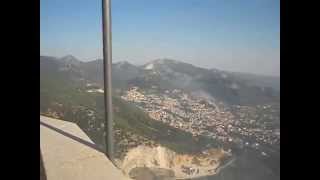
[{"x": 68, "y": 153}]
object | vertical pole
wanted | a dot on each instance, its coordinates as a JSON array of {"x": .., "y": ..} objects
[{"x": 107, "y": 63}]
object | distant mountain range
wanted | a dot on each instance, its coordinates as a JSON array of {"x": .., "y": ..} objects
[{"x": 229, "y": 87}]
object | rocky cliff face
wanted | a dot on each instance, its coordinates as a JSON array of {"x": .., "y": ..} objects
[{"x": 182, "y": 165}]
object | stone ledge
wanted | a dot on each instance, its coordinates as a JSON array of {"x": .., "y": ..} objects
[{"x": 68, "y": 153}]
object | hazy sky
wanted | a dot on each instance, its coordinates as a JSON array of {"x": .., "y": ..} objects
[{"x": 237, "y": 35}]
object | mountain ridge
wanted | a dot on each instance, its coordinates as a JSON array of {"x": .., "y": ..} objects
[
  {"x": 166, "y": 73},
  {"x": 165, "y": 59}
]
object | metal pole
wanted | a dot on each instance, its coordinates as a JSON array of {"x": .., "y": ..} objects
[{"x": 107, "y": 63}]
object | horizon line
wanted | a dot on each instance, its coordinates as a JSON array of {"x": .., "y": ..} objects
[{"x": 219, "y": 69}]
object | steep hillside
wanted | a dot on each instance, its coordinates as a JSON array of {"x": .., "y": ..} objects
[
  {"x": 222, "y": 85},
  {"x": 181, "y": 165},
  {"x": 228, "y": 87},
  {"x": 63, "y": 96},
  {"x": 183, "y": 109}
]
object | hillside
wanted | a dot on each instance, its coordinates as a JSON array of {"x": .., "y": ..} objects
[
  {"x": 165, "y": 103},
  {"x": 64, "y": 95},
  {"x": 229, "y": 87}
]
